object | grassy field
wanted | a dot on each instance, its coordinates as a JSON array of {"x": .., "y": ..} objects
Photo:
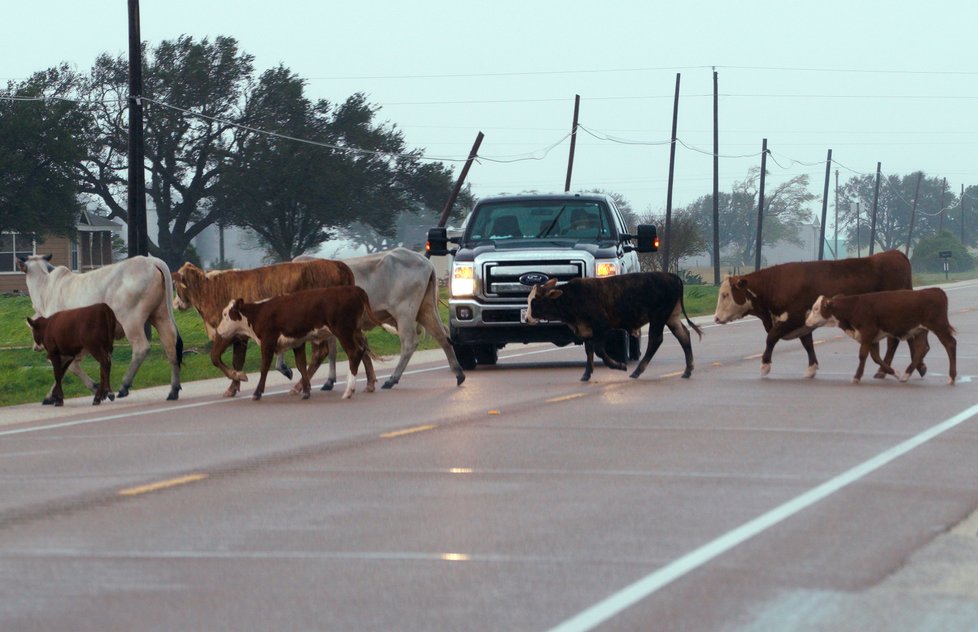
[{"x": 28, "y": 376}]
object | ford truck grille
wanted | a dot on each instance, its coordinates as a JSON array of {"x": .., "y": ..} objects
[{"x": 502, "y": 278}]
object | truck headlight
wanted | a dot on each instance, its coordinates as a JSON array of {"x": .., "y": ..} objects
[
  {"x": 463, "y": 279},
  {"x": 605, "y": 268}
]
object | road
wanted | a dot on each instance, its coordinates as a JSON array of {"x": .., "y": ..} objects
[{"x": 522, "y": 500}]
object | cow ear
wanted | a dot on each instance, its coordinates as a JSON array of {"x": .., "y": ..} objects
[
  {"x": 22, "y": 263},
  {"x": 238, "y": 302},
  {"x": 48, "y": 258},
  {"x": 554, "y": 293},
  {"x": 30, "y": 322},
  {"x": 741, "y": 282},
  {"x": 552, "y": 283}
]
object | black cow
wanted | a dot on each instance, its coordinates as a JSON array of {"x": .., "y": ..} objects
[{"x": 593, "y": 307}]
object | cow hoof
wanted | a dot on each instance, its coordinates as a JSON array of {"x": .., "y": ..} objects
[
  {"x": 922, "y": 369},
  {"x": 286, "y": 371},
  {"x": 950, "y": 381},
  {"x": 240, "y": 376},
  {"x": 327, "y": 385},
  {"x": 905, "y": 377},
  {"x": 59, "y": 403},
  {"x": 47, "y": 401},
  {"x": 111, "y": 396},
  {"x": 372, "y": 387},
  {"x": 123, "y": 392},
  {"x": 585, "y": 378},
  {"x": 879, "y": 375},
  {"x": 174, "y": 394},
  {"x": 686, "y": 375},
  {"x": 765, "y": 368},
  {"x": 459, "y": 379},
  {"x": 389, "y": 384},
  {"x": 811, "y": 370},
  {"x": 231, "y": 392},
  {"x": 855, "y": 380},
  {"x": 256, "y": 397},
  {"x": 305, "y": 394}
]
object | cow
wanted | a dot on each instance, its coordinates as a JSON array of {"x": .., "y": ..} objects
[
  {"x": 781, "y": 296},
  {"x": 290, "y": 320},
  {"x": 403, "y": 291},
  {"x": 70, "y": 334},
  {"x": 209, "y": 293},
  {"x": 592, "y": 307},
  {"x": 903, "y": 314},
  {"x": 137, "y": 289}
]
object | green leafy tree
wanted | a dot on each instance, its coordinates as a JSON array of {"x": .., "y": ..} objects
[
  {"x": 38, "y": 148},
  {"x": 687, "y": 238},
  {"x": 187, "y": 141},
  {"x": 926, "y": 254}
]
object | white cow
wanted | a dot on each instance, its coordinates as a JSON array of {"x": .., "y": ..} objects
[
  {"x": 403, "y": 290},
  {"x": 139, "y": 290}
]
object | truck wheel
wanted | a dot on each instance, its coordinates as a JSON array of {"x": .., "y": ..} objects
[
  {"x": 465, "y": 355},
  {"x": 634, "y": 347},
  {"x": 486, "y": 354}
]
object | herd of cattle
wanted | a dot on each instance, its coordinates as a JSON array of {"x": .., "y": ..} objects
[{"x": 320, "y": 301}]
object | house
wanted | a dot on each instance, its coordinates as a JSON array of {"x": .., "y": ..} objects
[{"x": 90, "y": 248}]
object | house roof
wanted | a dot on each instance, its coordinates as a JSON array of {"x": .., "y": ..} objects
[{"x": 91, "y": 222}]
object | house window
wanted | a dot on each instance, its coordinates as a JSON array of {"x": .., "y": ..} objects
[
  {"x": 12, "y": 246},
  {"x": 74, "y": 255}
]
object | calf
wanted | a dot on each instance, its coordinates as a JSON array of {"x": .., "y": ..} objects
[
  {"x": 593, "y": 307},
  {"x": 904, "y": 314},
  {"x": 290, "y": 320},
  {"x": 68, "y": 335}
]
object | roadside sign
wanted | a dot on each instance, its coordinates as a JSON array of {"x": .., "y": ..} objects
[{"x": 944, "y": 254}]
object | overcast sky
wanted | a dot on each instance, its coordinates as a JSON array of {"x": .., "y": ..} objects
[{"x": 894, "y": 81}]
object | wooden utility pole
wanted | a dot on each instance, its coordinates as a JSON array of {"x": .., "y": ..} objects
[
  {"x": 825, "y": 206},
  {"x": 447, "y": 210},
  {"x": 961, "y": 201},
  {"x": 573, "y": 143},
  {"x": 716, "y": 182},
  {"x": 835, "y": 240},
  {"x": 940, "y": 221},
  {"x": 136, "y": 195},
  {"x": 859, "y": 246},
  {"x": 876, "y": 205},
  {"x": 913, "y": 212},
  {"x": 760, "y": 207},
  {"x": 672, "y": 171}
]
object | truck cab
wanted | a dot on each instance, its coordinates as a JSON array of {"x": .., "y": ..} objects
[{"x": 510, "y": 243}]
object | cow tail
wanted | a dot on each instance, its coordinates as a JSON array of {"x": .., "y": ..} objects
[
  {"x": 168, "y": 297},
  {"x": 682, "y": 305}
]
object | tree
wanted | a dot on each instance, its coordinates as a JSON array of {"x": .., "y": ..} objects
[
  {"x": 687, "y": 239},
  {"x": 38, "y": 147},
  {"x": 296, "y": 195},
  {"x": 203, "y": 85},
  {"x": 785, "y": 210}
]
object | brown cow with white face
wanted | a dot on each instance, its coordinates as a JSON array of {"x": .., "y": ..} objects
[
  {"x": 291, "y": 320},
  {"x": 904, "y": 314},
  {"x": 782, "y": 295}
]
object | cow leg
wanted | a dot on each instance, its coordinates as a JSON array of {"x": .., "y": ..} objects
[
  {"x": 951, "y": 346},
  {"x": 267, "y": 355},
  {"x": 921, "y": 339},
  {"x": 354, "y": 353},
  {"x": 655, "y": 340},
  {"x": 75, "y": 368},
  {"x": 589, "y": 355},
  {"x": 407, "y": 331},
  {"x": 773, "y": 337},
  {"x": 104, "y": 391},
  {"x": 331, "y": 376},
  {"x": 319, "y": 351},
  {"x": 863, "y": 353},
  {"x": 60, "y": 365},
  {"x": 300, "y": 363},
  {"x": 429, "y": 319},
  {"x": 809, "y": 345},
  {"x": 601, "y": 350},
  {"x": 140, "y": 349},
  {"x": 172, "y": 344},
  {"x": 885, "y": 368},
  {"x": 891, "y": 347},
  {"x": 282, "y": 367},
  {"x": 679, "y": 330}
]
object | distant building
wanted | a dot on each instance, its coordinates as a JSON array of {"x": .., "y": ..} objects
[{"x": 90, "y": 248}]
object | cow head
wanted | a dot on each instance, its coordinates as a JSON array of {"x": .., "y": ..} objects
[
  {"x": 186, "y": 280},
  {"x": 233, "y": 322},
  {"x": 37, "y": 326},
  {"x": 733, "y": 300},
  {"x": 822, "y": 314},
  {"x": 541, "y": 303},
  {"x": 42, "y": 263}
]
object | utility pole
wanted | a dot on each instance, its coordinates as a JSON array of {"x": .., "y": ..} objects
[
  {"x": 836, "y": 225},
  {"x": 961, "y": 202},
  {"x": 716, "y": 182},
  {"x": 573, "y": 143},
  {"x": 876, "y": 204},
  {"x": 447, "y": 210},
  {"x": 760, "y": 207},
  {"x": 940, "y": 222},
  {"x": 859, "y": 247},
  {"x": 672, "y": 171},
  {"x": 136, "y": 195},
  {"x": 913, "y": 212},
  {"x": 825, "y": 206}
]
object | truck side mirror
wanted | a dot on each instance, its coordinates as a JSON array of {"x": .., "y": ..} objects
[
  {"x": 437, "y": 244},
  {"x": 648, "y": 239}
]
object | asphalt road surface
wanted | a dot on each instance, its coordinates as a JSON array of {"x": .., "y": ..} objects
[{"x": 522, "y": 500}]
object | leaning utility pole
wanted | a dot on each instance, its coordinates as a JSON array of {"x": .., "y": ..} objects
[
  {"x": 760, "y": 207},
  {"x": 913, "y": 212},
  {"x": 825, "y": 206},
  {"x": 940, "y": 222},
  {"x": 136, "y": 197},
  {"x": 672, "y": 171},
  {"x": 716, "y": 183},
  {"x": 573, "y": 143},
  {"x": 447, "y": 210},
  {"x": 876, "y": 205}
]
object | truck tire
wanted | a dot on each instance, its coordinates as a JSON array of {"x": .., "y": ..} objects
[
  {"x": 465, "y": 355},
  {"x": 486, "y": 354}
]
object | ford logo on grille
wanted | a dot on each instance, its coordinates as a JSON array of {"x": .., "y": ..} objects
[{"x": 534, "y": 278}]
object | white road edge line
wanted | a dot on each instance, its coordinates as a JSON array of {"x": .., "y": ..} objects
[{"x": 648, "y": 585}]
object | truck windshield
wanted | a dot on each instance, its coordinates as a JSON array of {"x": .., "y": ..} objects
[{"x": 577, "y": 220}]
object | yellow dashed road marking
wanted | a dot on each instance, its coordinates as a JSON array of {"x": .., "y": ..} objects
[
  {"x": 407, "y": 431},
  {"x": 152, "y": 487},
  {"x": 564, "y": 398}
]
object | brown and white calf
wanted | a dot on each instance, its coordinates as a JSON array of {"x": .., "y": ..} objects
[
  {"x": 904, "y": 314},
  {"x": 291, "y": 320},
  {"x": 592, "y": 307},
  {"x": 68, "y": 335}
]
